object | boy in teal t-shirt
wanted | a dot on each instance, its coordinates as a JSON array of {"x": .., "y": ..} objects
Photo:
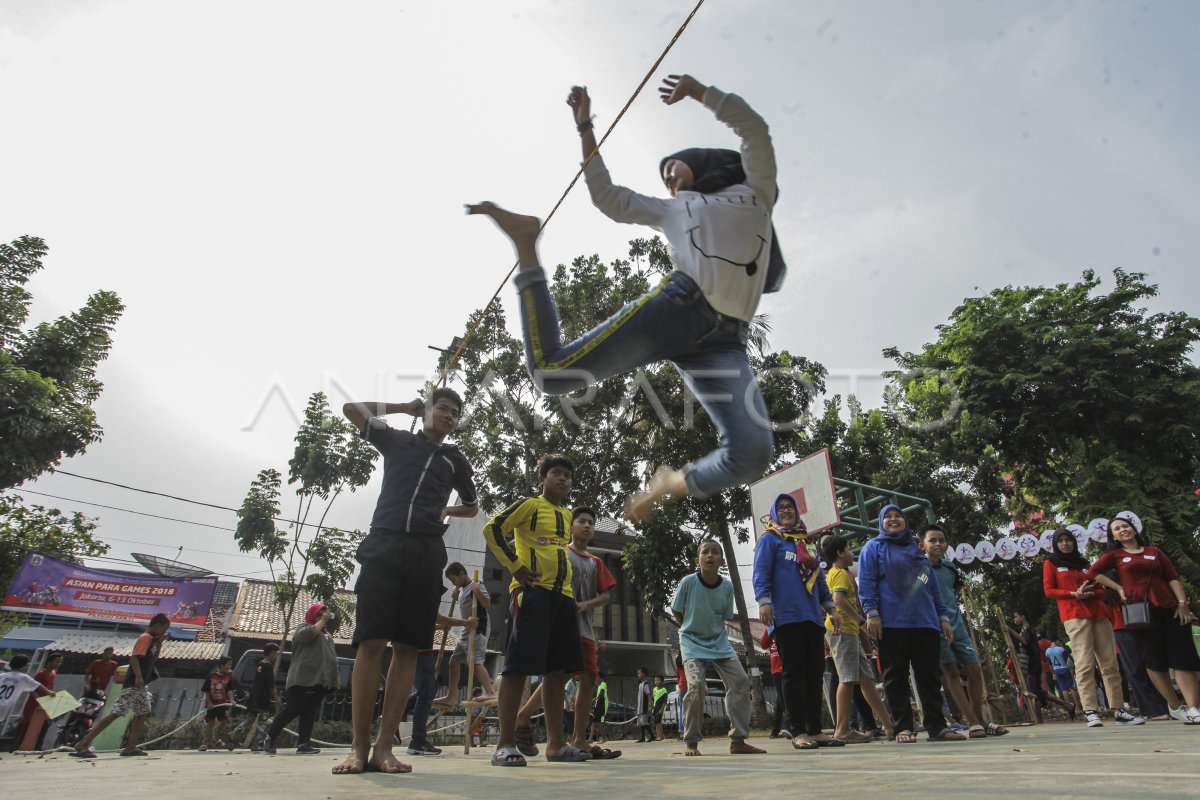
[{"x": 703, "y": 601}]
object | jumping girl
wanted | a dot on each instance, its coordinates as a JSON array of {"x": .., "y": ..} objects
[{"x": 717, "y": 222}]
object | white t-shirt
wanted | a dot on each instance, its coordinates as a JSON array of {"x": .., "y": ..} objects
[
  {"x": 13, "y": 686},
  {"x": 721, "y": 240}
]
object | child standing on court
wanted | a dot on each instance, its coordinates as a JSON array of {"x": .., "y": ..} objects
[
  {"x": 703, "y": 601},
  {"x": 217, "y": 699},
  {"x": 543, "y": 625}
]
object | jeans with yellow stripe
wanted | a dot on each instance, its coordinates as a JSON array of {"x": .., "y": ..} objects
[{"x": 671, "y": 322}]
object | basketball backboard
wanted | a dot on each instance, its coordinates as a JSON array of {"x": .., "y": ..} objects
[{"x": 810, "y": 482}]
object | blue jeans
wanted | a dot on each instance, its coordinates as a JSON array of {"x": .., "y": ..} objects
[
  {"x": 424, "y": 685},
  {"x": 671, "y": 322}
]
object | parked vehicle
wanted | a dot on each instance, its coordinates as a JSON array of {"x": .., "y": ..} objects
[{"x": 80, "y": 721}]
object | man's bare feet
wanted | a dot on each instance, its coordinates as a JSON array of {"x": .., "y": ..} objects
[
  {"x": 354, "y": 764},
  {"x": 743, "y": 749},
  {"x": 692, "y": 750},
  {"x": 442, "y": 702},
  {"x": 486, "y": 698},
  {"x": 384, "y": 761},
  {"x": 665, "y": 484}
]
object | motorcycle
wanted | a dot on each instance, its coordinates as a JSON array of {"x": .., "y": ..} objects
[{"x": 81, "y": 719}]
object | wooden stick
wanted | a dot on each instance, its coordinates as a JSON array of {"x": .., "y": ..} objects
[
  {"x": 471, "y": 664},
  {"x": 1016, "y": 659}
]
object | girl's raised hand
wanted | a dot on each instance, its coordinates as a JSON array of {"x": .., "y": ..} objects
[
  {"x": 678, "y": 87},
  {"x": 580, "y": 104}
]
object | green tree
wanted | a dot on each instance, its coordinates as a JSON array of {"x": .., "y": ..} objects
[
  {"x": 329, "y": 458},
  {"x": 1072, "y": 403},
  {"x": 48, "y": 373},
  {"x": 36, "y": 529}
]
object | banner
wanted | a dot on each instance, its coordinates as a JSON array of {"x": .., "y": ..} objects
[{"x": 51, "y": 586}]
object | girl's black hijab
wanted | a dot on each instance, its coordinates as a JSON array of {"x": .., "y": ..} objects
[
  {"x": 1072, "y": 560},
  {"x": 714, "y": 169}
]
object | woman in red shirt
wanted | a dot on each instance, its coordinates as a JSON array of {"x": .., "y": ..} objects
[
  {"x": 1084, "y": 615},
  {"x": 1146, "y": 573}
]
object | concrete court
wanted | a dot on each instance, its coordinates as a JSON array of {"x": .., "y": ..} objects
[{"x": 1157, "y": 760}]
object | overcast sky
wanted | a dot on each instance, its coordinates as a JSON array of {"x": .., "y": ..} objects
[{"x": 275, "y": 189}]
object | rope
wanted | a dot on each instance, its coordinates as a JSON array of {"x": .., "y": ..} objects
[{"x": 495, "y": 295}]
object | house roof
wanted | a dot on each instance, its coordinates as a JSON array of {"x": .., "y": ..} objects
[
  {"x": 122, "y": 644},
  {"x": 256, "y": 616}
]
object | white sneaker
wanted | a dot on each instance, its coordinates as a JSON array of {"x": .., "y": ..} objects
[
  {"x": 1123, "y": 717},
  {"x": 1193, "y": 716},
  {"x": 1093, "y": 719},
  {"x": 1179, "y": 713}
]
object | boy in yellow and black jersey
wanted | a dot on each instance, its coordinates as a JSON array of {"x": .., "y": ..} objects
[{"x": 543, "y": 626}]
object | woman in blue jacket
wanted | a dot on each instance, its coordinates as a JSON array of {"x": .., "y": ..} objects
[
  {"x": 793, "y": 600},
  {"x": 905, "y": 612}
]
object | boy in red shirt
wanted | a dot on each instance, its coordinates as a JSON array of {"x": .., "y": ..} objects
[
  {"x": 218, "y": 694},
  {"x": 99, "y": 673}
]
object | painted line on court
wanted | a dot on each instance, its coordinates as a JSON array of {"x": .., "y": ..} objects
[{"x": 1008, "y": 773}]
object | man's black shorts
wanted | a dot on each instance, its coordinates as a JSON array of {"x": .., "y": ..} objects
[
  {"x": 399, "y": 588},
  {"x": 543, "y": 633},
  {"x": 217, "y": 713}
]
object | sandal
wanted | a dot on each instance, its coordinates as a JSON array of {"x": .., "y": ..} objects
[
  {"x": 830, "y": 742},
  {"x": 905, "y": 737},
  {"x": 507, "y": 757},
  {"x": 947, "y": 735},
  {"x": 570, "y": 754},
  {"x": 994, "y": 729},
  {"x": 805, "y": 744},
  {"x": 976, "y": 732},
  {"x": 134, "y": 752},
  {"x": 603, "y": 753},
  {"x": 525, "y": 744}
]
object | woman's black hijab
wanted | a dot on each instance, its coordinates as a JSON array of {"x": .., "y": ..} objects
[
  {"x": 1071, "y": 560},
  {"x": 714, "y": 169}
]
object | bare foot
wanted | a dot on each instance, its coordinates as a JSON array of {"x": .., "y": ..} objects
[
  {"x": 442, "y": 702},
  {"x": 486, "y": 698},
  {"x": 518, "y": 226},
  {"x": 384, "y": 761},
  {"x": 692, "y": 750},
  {"x": 354, "y": 764},
  {"x": 743, "y": 749},
  {"x": 666, "y": 483}
]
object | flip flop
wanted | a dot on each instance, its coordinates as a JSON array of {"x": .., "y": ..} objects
[
  {"x": 808, "y": 745},
  {"x": 947, "y": 735},
  {"x": 83, "y": 754},
  {"x": 570, "y": 754},
  {"x": 905, "y": 737},
  {"x": 603, "y": 753},
  {"x": 508, "y": 757},
  {"x": 994, "y": 729},
  {"x": 134, "y": 752},
  {"x": 830, "y": 743},
  {"x": 976, "y": 732}
]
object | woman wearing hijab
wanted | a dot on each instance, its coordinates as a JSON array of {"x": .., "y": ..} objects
[
  {"x": 1146, "y": 574},
  {"x": 905, "y": 613},
  {"x": 1085, "y": 618},
  {"x": 717, "y": 223},
  {"x": 793, "y": 600},
  {"x": 311, "y": 674}
]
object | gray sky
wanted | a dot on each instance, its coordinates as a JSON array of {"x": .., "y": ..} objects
[{"x": 275, "y": 189}]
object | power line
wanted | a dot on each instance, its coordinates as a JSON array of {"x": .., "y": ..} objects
[{"x": 185, "y": 521}]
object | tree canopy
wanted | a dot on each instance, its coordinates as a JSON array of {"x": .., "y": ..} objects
[{"x": 47, "y": 373}]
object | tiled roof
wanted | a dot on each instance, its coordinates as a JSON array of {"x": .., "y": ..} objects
[
  {"x": 256, "y": 616},
  {"x": 122, "y": 644}
]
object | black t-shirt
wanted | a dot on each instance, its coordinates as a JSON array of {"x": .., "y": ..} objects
[
  {"x": 418, "y": 477},
  {"x": 261, "y": 698}
]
